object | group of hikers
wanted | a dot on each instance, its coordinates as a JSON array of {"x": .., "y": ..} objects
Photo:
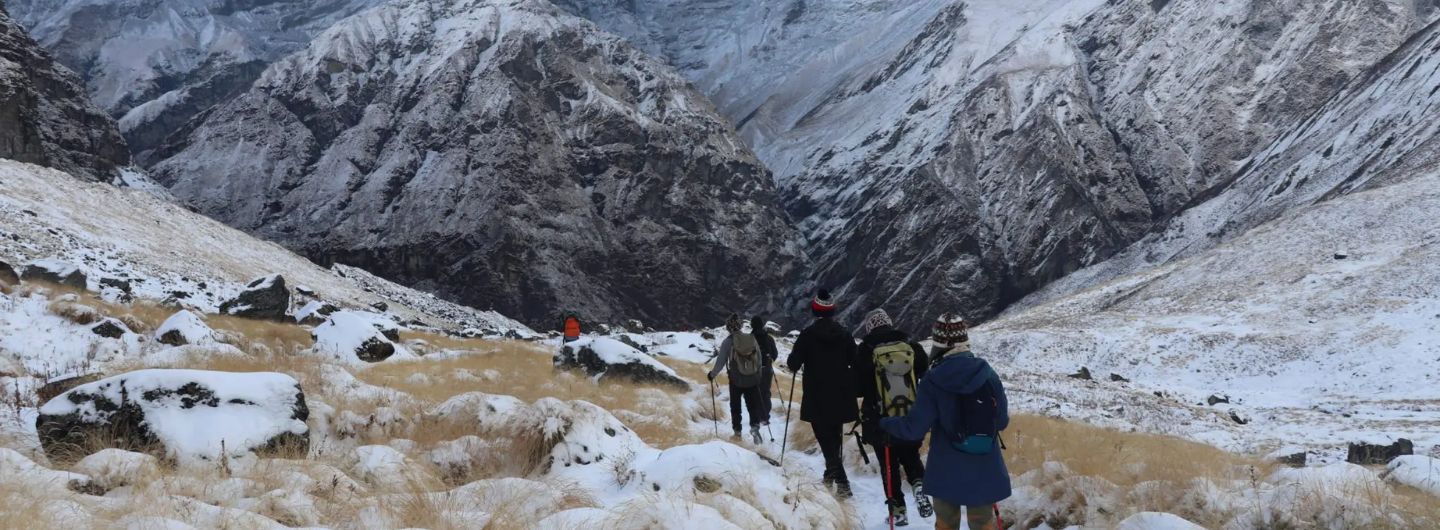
[{"x": 905, "y": 392}]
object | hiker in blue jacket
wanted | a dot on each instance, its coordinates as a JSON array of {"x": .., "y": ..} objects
[{"x": 957, "y": 478}]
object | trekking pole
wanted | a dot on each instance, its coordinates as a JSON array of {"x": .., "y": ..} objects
[
  {"x": 714, "y": 411},
  {"x": 889, "y": 485},
  {"x": 785, "y": 436},
  {"x": 999, "y": 523}
]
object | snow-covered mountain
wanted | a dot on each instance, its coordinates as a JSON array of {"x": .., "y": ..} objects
[
  {"x": 154, "y": 64},
  {"x": 45, "y": 117},
  {"x": 963, "y": 154},
  {"x": 501, "y": 152}
]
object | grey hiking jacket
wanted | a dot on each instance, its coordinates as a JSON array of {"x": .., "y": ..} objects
[{"x": 737, "y": 379}]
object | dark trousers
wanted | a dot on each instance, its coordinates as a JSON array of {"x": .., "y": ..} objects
[
  {"x": 767, "y": 376},
  {"x": 904, "y": 456},
  {"x": 832, "y": 438},
  {"x": 751, "y": 397}
]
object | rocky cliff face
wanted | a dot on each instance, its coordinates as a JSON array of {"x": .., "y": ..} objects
[
  {"x": 504, "y": 154},
  {"x": 949, "y": 154},
  {"x": 154, "y": 64},
  {"x": 45, "y": 118}
]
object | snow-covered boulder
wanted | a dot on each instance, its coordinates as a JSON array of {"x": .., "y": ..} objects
[
  {"x": 1419, "y": 472},
  {"x": 1157, "y": 521},
  {"x": 55, "y": 271},
  {"x": 185, "y": 327},
  {"x": 188, "y": 415},
  {"x": 8, "y": 276},
  {"x": 109, "y": 328},
  {"x": 352, "y": 336},
  {"x": 114, "y": 468},
  {"x": 18, "y": 471},
  {"x": 609, "y": 359},
  {"x": 314, "y": 313},
  {"x": 264, "y": 298},
  {"x": 387, "y": 469},
  {"x": 479, "y": 409}
]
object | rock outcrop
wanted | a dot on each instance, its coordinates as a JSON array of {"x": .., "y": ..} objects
[
  {"x": 503, "y": 154},
  {"x": 1366, "y": 454},
  {"x": 352, "y": 336},
  {"x": 58, "y": 272},
  {"x": 264, "y": 298},
  {"x": 45, "y": 116},
  {"x": 186, "y": 415},
  {"x": 184, "y": 328}
]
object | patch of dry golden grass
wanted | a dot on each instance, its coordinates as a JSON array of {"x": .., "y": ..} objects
[{"x": 1122, "y": 458}]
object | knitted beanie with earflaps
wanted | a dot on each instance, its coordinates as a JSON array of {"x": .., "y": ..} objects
[{"x": 951, "y": 329}]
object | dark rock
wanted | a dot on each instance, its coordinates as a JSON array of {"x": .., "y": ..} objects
[
  {"x": 1295, "y": 460},
  {"x": 265, "y": 298},
  {"x": 1236, "y": 417},
  {"x": 56, "y": 272},
  {"x": 375, "y": 350},
  {"x": 381, "y": 306},
  {"x": 8, "y": 276},
  {"x": 636, "y": 371},
  {"x": 1341, "y": 254},
  {"x": 173, "y": 338},
  {"x": 110, "y": 329},
  {"x": 122, "y": 285},
  {"x": 390, "y": 333},
  {"x": 634, "y": 326},
  {"x": 1217, "y": 399},
  {"x": 93, "y": 420},
  {"x": 49, "y": 390},
  {"x": 1084, "y": 374},
  {"x": 46, "y": 116},
  {"x": 1118, "y": 379},
  {"x": 1378, "y": 455},
  {"x": 301, "y": 289},
  {"x": 629, "y": 342},
  {"x": 707, "y": 335},
  {"x": 318, "y": 317}
]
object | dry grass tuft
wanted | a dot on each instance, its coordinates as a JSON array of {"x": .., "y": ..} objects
[{"x": 1125, "y": 459}]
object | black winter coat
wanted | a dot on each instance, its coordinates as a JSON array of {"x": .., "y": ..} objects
[
  {"x": 865, "y": 376},
  {"x": 827, "y": 353}
]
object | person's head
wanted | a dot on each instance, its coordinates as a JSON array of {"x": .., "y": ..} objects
[
  {"x": 875, "y": 320},
  {"x": 951, "y": 330},
  {"x": 732, "y": 324},
  {"x": 823, "y": 306},
  {"x": 757, "y": 324}
]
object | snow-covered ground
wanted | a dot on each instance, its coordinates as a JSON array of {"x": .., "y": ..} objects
[{"x": 1322, "y": 327}]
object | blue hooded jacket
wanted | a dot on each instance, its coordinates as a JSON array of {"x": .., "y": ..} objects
[{"x": 958, "y": 478}]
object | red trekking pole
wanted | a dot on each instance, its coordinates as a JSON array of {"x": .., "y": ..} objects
[
  {"x": 999, "y": 523},
  {"x": 889, "y": 486}
]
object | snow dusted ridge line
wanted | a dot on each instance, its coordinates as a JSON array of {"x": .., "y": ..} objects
[{"x": 167, "y": 252}]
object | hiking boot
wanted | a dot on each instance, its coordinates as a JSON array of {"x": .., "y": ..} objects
[
  {"x": 922, "y": 502},
  {"x": 755, "y": 433},
  {"x": 897, "y": 514},
  {"x": 842, "y": 491}
]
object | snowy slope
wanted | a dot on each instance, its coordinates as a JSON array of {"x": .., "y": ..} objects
[
  {"x": 1315, "y": 350},
  {"x": 155, "y": 64},
  {"x": 501, "y": 153},
  {"x": 162, "y": 249}
]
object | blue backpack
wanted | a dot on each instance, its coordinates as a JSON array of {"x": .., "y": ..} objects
[{"x": 975, "y": 414}]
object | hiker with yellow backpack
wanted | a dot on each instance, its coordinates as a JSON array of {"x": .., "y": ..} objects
[{"x": 888, "y": 375}]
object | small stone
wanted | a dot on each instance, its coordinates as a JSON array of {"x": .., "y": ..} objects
[
  {"x": 1084, "y": 374},
  {"x": 1295, "y": 460},
  {"x": 1215, "y": 400},
  {"x": 381, "y": 306},
  {"x": 1118, "y": 379},
  {"x": 110, "y": 329}
]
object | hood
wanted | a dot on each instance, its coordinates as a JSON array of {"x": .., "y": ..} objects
[
  {"x": 757, "y": 325},
  {"x": 960, "y": 373},
  {"x": 885, "y": 334}
]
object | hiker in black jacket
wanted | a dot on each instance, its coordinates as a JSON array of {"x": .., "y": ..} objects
[
  {"x": 879, "y": 331},
  {"x": 827, "y": 354},
  {"x": 771, "y": 352}
]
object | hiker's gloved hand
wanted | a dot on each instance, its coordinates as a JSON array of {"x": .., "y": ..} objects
[{"x": 711, "y": 376}]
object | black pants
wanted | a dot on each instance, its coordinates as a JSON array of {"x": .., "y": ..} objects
[
  {"x": 904, "y": 456},
  {"x": 832, "y": 438},
  {"x": 767, "y": 376},
  {"x": 751, "y": 396}
]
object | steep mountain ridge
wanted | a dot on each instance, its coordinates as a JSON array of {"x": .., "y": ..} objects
[
  {"x": 154, "y": 64},
  {"x": 45, "y": 117},
  {"x": 504, "y": 154},
  {"x": 963, "y": 154}
]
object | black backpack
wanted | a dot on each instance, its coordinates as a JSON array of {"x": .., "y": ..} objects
[{"x": 975, "y": 417}]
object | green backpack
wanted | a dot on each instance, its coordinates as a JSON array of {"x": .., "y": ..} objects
[{"x": 895, "y": 377}]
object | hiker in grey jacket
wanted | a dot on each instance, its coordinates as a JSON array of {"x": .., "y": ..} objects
[{"x": 741, "y": 358}]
